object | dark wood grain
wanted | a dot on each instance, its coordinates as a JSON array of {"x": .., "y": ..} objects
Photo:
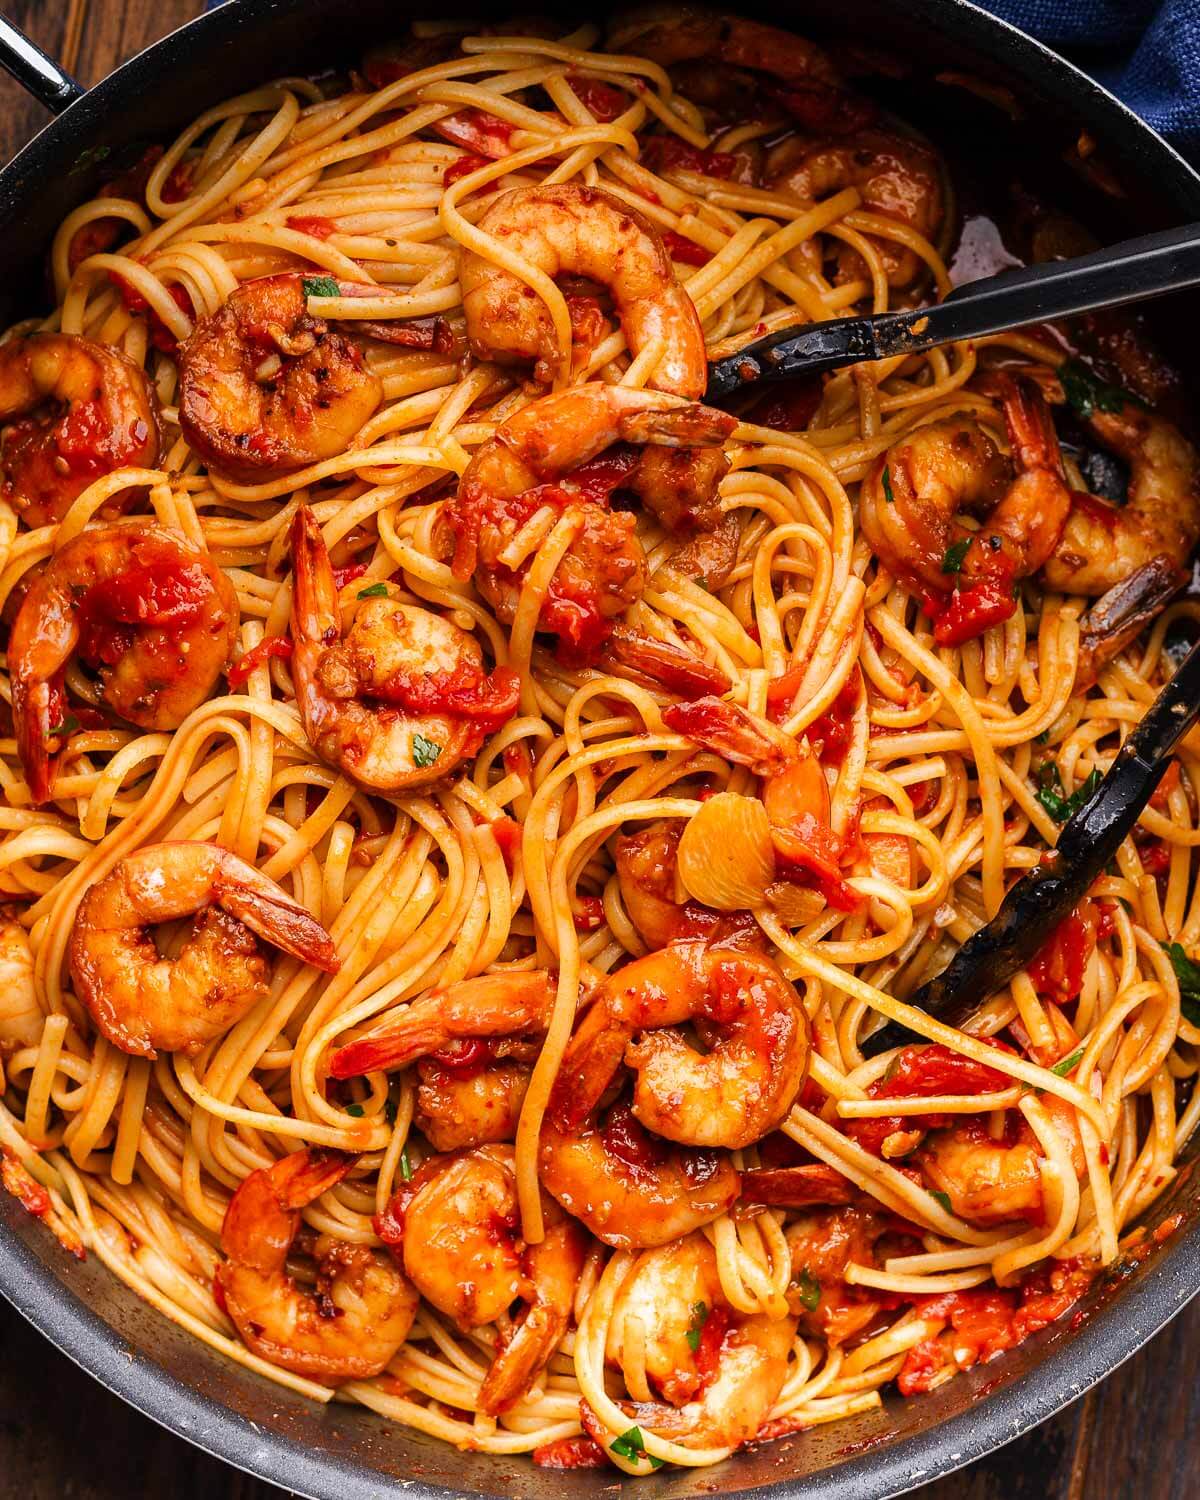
[{"x": 64, "y": 1438}]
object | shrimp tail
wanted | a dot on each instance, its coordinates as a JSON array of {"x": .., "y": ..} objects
[
  {"x": 680, "y": 671},
  {"x": 389, "y": 1048},
  {"x": 315, "y": 611},
  {"x": 692, "y": 426},
  {"x": 592, "y": 1057},
  {"x": 1119, "y": 616},
  {"x": 302, "y": 1177},
  {"x": 284, "y": 924},
  {"x": 797, "y": 1187},
  {"x": 38, "y": 707}
]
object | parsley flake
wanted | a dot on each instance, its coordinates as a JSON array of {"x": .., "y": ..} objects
[
  {"x": 887, "y": 487},
  {"x": 405, "y": 1165},
  {"x": 356, "y": 1110},
  {"x": 1050, "y": 793},
  {"x": 953, "y": 560},
  {"x": 67, "y": 725},
  {"x": 320, "y": 286},
  {"x": 632, "y": 1446},
  {"x": 808, "y": 1290},
  {"x": 1187, "y": 972},
  {"x": 1061, "y": 1069},
  {"x": 373, "y": 591},
  {"x": 1087, "y": 394},
  {"x": 425, "y": 752},
  {"x": 942, "y": 1198},
  {"x": 699, "y": 1318}
]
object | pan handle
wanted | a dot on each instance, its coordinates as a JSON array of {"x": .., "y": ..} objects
[{"x": 37, "y": 74}]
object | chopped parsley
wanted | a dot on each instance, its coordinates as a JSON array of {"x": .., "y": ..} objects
[
  {"x": 942, "y": 1198},
  {"x": 90, "y": 157},
  {"x": 356, "y": 1110},
  {"x": 953, "y": 560},
  {"x": 320, "y": 286},
  {"x": 67, "y": 725},
  {"x": 1187, "y": 971},
  {"x": 1061, "y": 1069},
  {"x": 1087, "y": 394},
  {"x": 699, "y": 1318},
  {"x": 887, "y": 487},
  {"x": 632, "y": 1446},
  {"x": 425, "y": 752},
  {"x": 1043, "y": 738},
  {"x": 808, "y": 1289},
  {"x": 1050, "y": 793},
  {"x": 405, "y": 1165},
  {"x": 373, "y": 591}
]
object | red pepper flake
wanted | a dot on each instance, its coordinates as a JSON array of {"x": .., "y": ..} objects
[
  {"x": 278, "y": 647},
  {"x": 590, "y": 915}
]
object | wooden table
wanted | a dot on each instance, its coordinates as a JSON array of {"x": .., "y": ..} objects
[{"x": 1135, "y": 1438}]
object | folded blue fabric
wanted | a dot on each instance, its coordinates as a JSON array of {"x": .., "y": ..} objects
[{"x": 1146, "y": 51}]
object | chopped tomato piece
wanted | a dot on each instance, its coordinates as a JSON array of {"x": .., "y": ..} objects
[
  {"x": 571, "y": 1453},
  {"x": 920, "y": 1073},
  {"x": 599, "y": 98},
  {"x": 477, "y": 130},
  {"x": 1058, "y": 967},
  {"x": 967, "y": 613},
  {"x": 319, "y": 227},
  {"x": 686, "y": 252},
  {"x": 508, "y": 835},
  {"x": 667, "y": 153},
  {"x": 463, "y": 167},
  {"x": 275, "y": 647}
]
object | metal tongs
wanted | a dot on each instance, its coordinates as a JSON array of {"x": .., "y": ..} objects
[
  {"x": 1133, "y": 271},
  {"x": 1041, "y": 899}
]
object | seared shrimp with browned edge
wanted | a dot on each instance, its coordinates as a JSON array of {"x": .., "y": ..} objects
[
  {"x": 353, "y": 1323},
  {"x": 399, "y": 700},
  {"x": 145, "y": 608},
  {"x": 520, "y": 483},
  {"x": 144, "y": 1003},
  {"x": 72, "y": 411},
  {"x": 266, "y": 388},
  {"x": 454, "y": 1226}
]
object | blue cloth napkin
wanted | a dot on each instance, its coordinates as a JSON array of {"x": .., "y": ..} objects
[{"x": 1146, "y": 51}]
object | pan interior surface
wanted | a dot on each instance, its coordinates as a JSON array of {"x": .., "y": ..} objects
[{"x": 343, "y": 1452}]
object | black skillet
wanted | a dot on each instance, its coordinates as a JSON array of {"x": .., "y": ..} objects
[{"x": 346, "y": 1453}]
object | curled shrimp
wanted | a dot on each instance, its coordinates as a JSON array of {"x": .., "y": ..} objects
[
  {"x": 355, "y": 1322},
  {"x": 524, "y": 472},
  {"x": 21, "y": 1016},
  {"x": 143, "y": 1003},
  {"x": 898, "y": 177},
  {"x": 994, "y": 1181},
  {"x": 460, "y": 1106},
  {"x": 403, "y": 697},
  {"x": 718, "y": 1370},
  {"x": 569, "y": 229},
  {"x": 810, "y": 89},
  {"x": 630, "y": 1189},
  {"x": 490, "y": 1005},
  {"x": 144, "y": 607},
  {"x": 264, "y": 387},
  {"x": 822, "y": 1245},
  {"x": 72, "y": 411},
  {"x": 662, "y": 912},
  {"x": 744, "y": 1010},
  {"x": 455, "y": 1227}
]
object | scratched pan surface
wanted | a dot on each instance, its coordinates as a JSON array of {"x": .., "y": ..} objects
[{"x": 344, "y": 1453}]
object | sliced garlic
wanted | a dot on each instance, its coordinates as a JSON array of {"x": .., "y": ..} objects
[{"x": 726, "y": 858}]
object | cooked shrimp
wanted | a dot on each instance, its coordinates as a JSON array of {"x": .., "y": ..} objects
[
  {"x": 491, "y": 1005},
  {"x": 143, "y": 1003},
  {"x": 456, "y": 1224},
  {"x": 265, "y": 388},
  {"x": 567, "y": 229},
  {"x": 910, "y": 501},
  {"x": 655, "y": 903},
  {"x": 812, "y": 91},
  {"x": 1102, "y": 545},
  {"x": 72, "y": 411},
  {"x": 629, "y": 1189},
  {"x": 733, "y": 732},
  {"x": 359, "y": 1316},
  {"x": 990, "y": 1181},
  {"x": 745, "y": 1011},
  {"x": 458, "y": 1108},
  {"x": 720, "y": 1370},
  {"x": 897, "y": 176},
  {"x": 403, "y": 698},
  {"x": 527, "y": 466},
  {"x": 143, "y": 606},
  {"x": 21, "y": 1016},
  {"x": 823, "y": 1245}
]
